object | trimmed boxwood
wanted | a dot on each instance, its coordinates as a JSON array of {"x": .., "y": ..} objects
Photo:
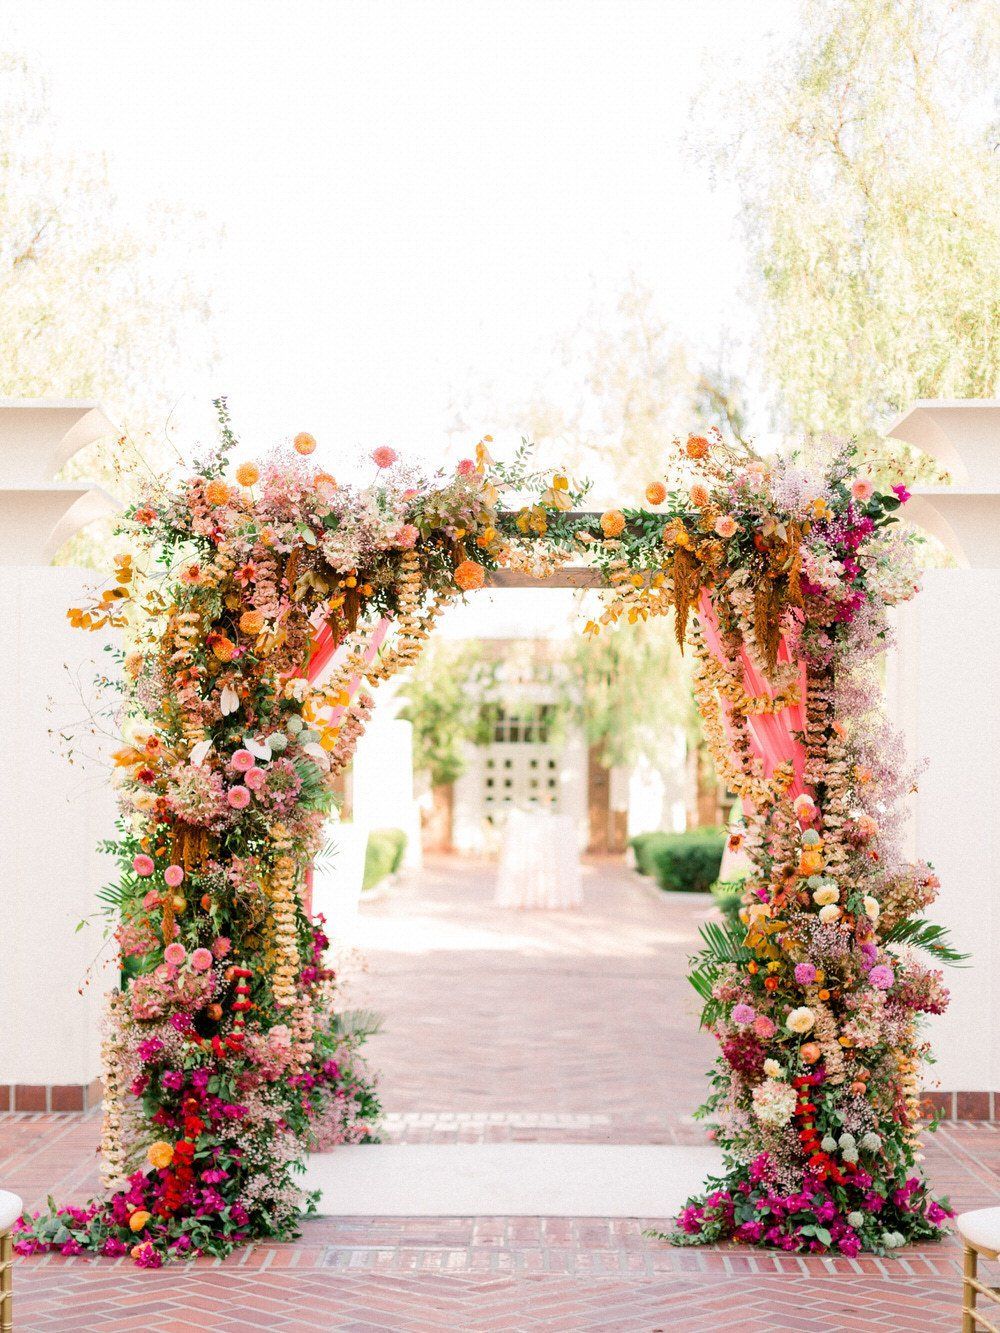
[
  {"x": 681, "y": 862},
  {"x": 383, "y": 855}
]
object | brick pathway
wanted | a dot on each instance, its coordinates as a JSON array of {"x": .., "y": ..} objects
[{"x": 500, "y": 1026}]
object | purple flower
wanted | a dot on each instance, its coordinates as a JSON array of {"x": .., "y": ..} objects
[
  {"x": 172, "y": 1080},
  {"x": 805, "y": 974},
  {"x": 901, "y": 493},
  {"x": 881, "y": 977},
  {"x": 744, "y": 1013}
]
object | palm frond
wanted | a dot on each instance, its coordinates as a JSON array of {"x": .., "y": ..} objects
[
  {"x": 924, "y": 934},
  {"x": 723, "y": 947},
  {"x": 357, "y": 1024}
]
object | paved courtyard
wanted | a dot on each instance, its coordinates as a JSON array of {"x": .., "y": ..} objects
[{"x": 500, "y": 1026}]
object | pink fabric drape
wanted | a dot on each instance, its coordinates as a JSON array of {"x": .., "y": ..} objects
[
  {"x": 323, "y": 652},
  {"x": 772, "y": 735}
]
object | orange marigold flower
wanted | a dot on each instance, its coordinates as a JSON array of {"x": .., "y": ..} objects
[
  {"x": 248, "y": 474},
  {"x": 160, "y": 1154},
  {"x": 613, "y": 523},
  {"x": 699, "y": 495},
  {"x": 656, "y": 492},
  {"x": 224, "y": 649},
  {"x": 696, "y": 447},
  {"x": 470, "y": 575},
  {"x": 304, "y": 442},
  {"x": 216, "y": 492},
  {"x": 252, "y": 622}
]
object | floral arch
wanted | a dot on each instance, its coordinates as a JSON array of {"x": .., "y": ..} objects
[{"x": 258, "y": 600}]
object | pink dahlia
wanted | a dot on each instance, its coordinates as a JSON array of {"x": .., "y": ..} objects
[
  {"x": 881, "y": 977},
  {"x": 238, "y": 797},
  {"x": 383, "y": 456},
  {"x": 744, "y": 1013},
  {"x": 174, "y": 876},
  {"x": 255, "y": 778},
  {"x": 175, "y": 954},
  {"x": 221, "y": 946},
  {"x": 407, "y": 536},
  {"x": 466, "y": 468},
  {"x": 201, "y": 960},
  {"x": 143, "y": 865},
  {"x": 242, "y": 761}
]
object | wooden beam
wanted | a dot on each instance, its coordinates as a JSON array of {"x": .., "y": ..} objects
[{"x": 568, "y": 576}]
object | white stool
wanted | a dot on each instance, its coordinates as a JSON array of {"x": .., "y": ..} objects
[
  {"x": 11, "y": 1209},
  {"x": 980, "y": 1230}
]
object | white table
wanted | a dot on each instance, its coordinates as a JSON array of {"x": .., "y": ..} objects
[{"x": 539, "y": 862}]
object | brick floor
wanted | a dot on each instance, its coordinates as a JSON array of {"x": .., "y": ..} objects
[{"x": 499, "y": 1026}]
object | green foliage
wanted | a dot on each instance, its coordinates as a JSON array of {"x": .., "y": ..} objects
[
  {"x": 383, "y": 855},
  {"x": 728, "y": 895},
  {"x": 445, "y": 712},
  {"x": 681, "y": 862},
  {"x": 722, "y": 947},
  {"x": 924, "y": 934},
  {"x": 870, "y": 175}
]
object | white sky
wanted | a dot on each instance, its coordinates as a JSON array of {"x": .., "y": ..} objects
[{"x": 417, "y": 197}]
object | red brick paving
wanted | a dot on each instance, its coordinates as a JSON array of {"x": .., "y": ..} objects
[{"x": 572, "y": 1028}]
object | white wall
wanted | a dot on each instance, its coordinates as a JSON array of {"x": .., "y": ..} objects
[
  {"x": 941, "y": 683},
  {"x": 51, "y": 815}
]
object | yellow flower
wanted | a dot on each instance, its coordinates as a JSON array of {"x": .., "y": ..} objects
[
  {"x": 248, "y": 474},
  {"x": 304, "y": 442},
  {"x": 613, "y": 523},
  {"x": 160, "y": 1154},
  {"x": 139, "y": 1219}
]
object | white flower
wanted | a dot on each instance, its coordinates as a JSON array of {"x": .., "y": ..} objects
[
  {"x": 829, "y": 913},
  {"x": 828, "y": 894},
  {"x": 259, "y": 749},
  {"x": 229, "y": 701},
  {"x": 871, "y": 907},
  {"x": 855, "y": 1219},
  {"x": 893, "y": 1239},
  {"x": 199, "y": 753},
  {"x": 800, "y": 1020},
  {"x": 773, "y": 1070},
  {"x": 847, "y": 1140},
  {"x": 297, "y": 688},
  {"x": 829, "y": 1143},
  {"x": 774, "y": 1103},
  {"x": 871, "y": 1142},
  {"x": 317, "y": 753}
]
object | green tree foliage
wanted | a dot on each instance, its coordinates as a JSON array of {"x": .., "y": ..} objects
[
  {"x": 445, "y": 694},
  {"x": 869, "y": 162},
  {"x": 93, "y": 305}
]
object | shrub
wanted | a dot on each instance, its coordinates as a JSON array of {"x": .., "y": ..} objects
[
  {"x": 685, "y": 862},
  {"x": 644, "y": 846},
  {"x": 383, "y": 855}
]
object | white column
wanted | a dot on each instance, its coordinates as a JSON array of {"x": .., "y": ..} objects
[
  {"x": 940, "y": 684},
  {"x": 52, "y": 812}
]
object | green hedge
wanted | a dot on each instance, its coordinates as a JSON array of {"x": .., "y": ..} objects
[
  {"x": 681, "y": 862},
  {"x": 383, "y": 855},
  {"x": 728, "y": 895}
]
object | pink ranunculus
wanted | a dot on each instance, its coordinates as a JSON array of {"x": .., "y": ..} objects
[
  {"x": 201, "y": 960},
  {"x": 174, "y": 876},
  {"x": 242, "y": 761},
  {"x": 764, "y": 1027},
  {"x": 221, "y": 946},
  {"x": 862, "y": 490},
  {"x": 175, "y": 954},
  {"x": 744, "y": 1013},
  {"x": 466, "y": 468},
  {"x": 143, "y": 865},
  {"x": 255, "y": 778},
  {"x": 238, "y": 797},
  {"x": 407, "y": 536},
  {"x": 383, "y": 456}
]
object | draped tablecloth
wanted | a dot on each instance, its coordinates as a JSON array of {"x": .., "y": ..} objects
[{"x": 539, "y": 862}]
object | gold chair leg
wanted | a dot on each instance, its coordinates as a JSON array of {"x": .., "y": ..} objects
[
  {"x": 969, "y": 1291},
  {"x": 6, "y": 1283}
]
